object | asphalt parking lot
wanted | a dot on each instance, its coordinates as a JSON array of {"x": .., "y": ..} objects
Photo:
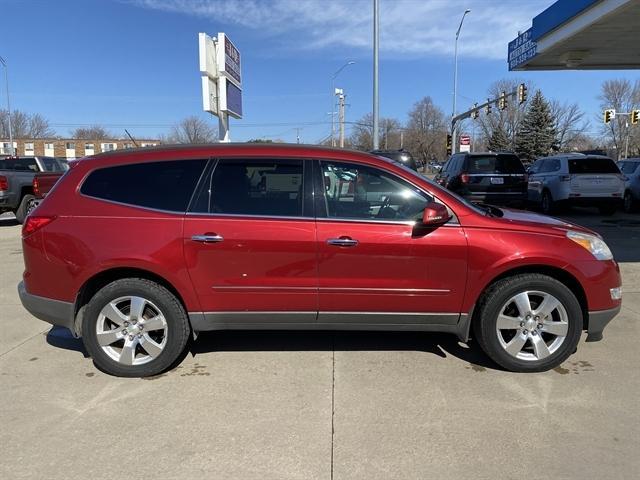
[{"x": 302, "y": 405}]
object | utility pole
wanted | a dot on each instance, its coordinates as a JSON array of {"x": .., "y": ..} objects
[
  {"x": 333, "y": 102},
  {"x": 376, "y": 35},
  {"x": 297, "y": 135},
  {"x": 454, "y": 140},
  {"x": 401, "y": 139},
  {"x": 341, "y": 117},
  {"x": 6, "y": 83},
  {"x": 626, "y": 147}
]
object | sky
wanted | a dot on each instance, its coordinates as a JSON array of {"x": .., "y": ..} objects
[{"x": 134, "y": 63}]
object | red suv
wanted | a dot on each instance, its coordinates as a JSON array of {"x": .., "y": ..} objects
[{"x": 137, "y": 251}]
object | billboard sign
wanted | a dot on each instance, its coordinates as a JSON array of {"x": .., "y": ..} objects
[
  {"x": 522, "y": 49},
  {"x": 229, "y": 60},
  {"x": 232, "y": 104}
]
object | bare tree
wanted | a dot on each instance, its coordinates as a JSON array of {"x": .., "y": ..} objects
[
  {"x": 24, "y": 125},
  {"x": 426, "y": 131},
  {"x": 94, "y": 132},
  {"x": 191, "y": 130},
  {"x": 623, "y": 97},
  {"x": 506, "y": 121},
  {"x": 361, "y": 137},
  {"x": 570, "y": 124}
]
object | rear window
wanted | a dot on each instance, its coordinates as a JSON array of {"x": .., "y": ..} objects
[
  {"x": 19, "y": 164},
  {"x": 628, "y": 167},
  {"x": 494, "y": 164},
  {"x": 159, "y": 185},
  {"x": 592, "y": 165},
  {"x": 50, "y": 164}
]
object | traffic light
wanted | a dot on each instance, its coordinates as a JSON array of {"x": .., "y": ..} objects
[
  {"x": 522, "y": 93},
  {"x": 502, "y": 100},
  {"x": 475, "y": 113},
  {"x": 609, "y": 115},
  {"x": 635, "y": 116},
  {"x": 488, "y": 107},
  {"x": 449, "y": 143}
]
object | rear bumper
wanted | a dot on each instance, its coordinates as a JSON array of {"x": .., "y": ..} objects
[
  {"x": 598, "y": 320},
  {"x": 517, "y": 198},
  {"x": 52, "y": 311},
  {"x": 594, "y": 201}
]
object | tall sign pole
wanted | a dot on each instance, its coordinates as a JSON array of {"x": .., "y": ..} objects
[
  {"x": 376, "y": 35},
  {"x": 220, "y": 68},
  {"x": 6, "y": 84}
]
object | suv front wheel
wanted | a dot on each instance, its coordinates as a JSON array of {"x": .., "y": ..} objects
[
  {"x": 529, "y": 323},
  {"x": 134, "y": 327}
]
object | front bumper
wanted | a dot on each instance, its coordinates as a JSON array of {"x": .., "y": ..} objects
[
  {"x": 55, "y": 312},
  {"x": 598, "y": 320}
]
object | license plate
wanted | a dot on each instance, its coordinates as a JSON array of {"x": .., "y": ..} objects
[{"x": 497, "y": 180}]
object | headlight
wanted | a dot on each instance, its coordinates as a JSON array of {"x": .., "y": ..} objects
[{"x": 595, "y": 245}]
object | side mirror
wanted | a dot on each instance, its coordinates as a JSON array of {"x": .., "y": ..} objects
[{"x": 435, "y": 215}]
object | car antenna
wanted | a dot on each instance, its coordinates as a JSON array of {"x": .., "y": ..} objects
[{"x": 132, "y": 139}]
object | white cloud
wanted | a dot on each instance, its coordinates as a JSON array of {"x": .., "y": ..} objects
[{"x": 408, "y": 27}]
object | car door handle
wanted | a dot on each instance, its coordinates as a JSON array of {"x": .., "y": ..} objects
[
  {"x": 207, "y": 238},
  {"x": 342, "y": 242}
]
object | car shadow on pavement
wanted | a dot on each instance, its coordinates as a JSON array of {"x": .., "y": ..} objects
[
  {"x": 437, "y": 344},
  {"x": 61, "y": 337}
]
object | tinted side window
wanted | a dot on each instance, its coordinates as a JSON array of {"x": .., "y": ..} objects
[
  {"x": 628, "y": 167},
  {"x": 537, "y": 166},
  {"x": 361, "y": 192},
  {"x": 160, "y": 185},
  {"x": 269, "y": 187},
  {"x": 19, "y": 164}
]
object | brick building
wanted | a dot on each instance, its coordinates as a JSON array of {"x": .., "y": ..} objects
[{"x": 69, "y": 148}]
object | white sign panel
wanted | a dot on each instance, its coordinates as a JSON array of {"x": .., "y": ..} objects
[
  {"x": 210, "y": 95},
  {"x": 207, "y": 55},
  {"x": 229, "y": 60}
]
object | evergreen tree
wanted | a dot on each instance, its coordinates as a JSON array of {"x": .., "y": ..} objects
[
  {"x": 498, "y": 142},
  {"x": 537, "y": 133}
]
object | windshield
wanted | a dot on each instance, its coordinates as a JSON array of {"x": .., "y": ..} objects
[
  {"x": 592, "y": 165},
  {"x": 494, "y": 164},
  {"x": 628, "y": 167}
]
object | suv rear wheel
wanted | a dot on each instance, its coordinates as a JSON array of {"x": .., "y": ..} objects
[
  {"x": 628, "y": 202},
  {"x": 134, "y": 327},
  {"x": 25, "y": 208},
  {"x": 529, "y": 323}
]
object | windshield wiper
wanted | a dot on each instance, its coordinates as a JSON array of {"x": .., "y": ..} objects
[{"x": 490, "y": 209}]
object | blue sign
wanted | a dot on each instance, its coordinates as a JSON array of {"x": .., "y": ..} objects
[
  {"x": 522, "y": 49},
  {"x": 234, "y": 100}
]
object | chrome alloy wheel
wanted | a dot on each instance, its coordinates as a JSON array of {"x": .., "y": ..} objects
[
  {"x": 131, "y": 330},
  {"x": 532, "y": 325}
]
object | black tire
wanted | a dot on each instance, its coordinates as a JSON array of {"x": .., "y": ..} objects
[
  {"x": 499, "y": 293},
  {"x": 177, "y": 327},
  {"x": 546, "y": 203},
  {"x": 607, "y": 210},
  {"x": 23, "y": 209},
  {"x": 629, "y": 204}
]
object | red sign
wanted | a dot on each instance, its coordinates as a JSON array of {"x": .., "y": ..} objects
[{"x": 465, "y": 140}]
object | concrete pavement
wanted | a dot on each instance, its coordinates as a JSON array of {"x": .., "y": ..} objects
[{"x": 305, "y": 405}]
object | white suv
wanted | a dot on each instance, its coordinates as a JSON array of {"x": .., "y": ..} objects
[{"x": 576, "y": 179}]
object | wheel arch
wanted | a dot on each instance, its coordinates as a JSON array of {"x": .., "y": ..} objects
[
  {"x": 554, "y": 272},
  {"x": 104, "y": 277}
]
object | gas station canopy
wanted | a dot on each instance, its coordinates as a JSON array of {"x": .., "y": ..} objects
[{"x": 580, "y": 35}]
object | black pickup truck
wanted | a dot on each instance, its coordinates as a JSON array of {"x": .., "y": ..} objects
[{"x": 16, "y": 182}]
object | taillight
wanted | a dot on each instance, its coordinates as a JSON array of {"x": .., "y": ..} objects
[
  {"x": 36, "y": 187},
  {"x": 4, "y": 183},
  {"x": 464, "y": 178},
  {"x": 33, "y": 224}
]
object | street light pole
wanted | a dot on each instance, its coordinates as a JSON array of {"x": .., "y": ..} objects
[
  {"x": 376, "y": 35},
  {"x": 333, "y": 103},
  {"x": 6, "y": 83},
  {"x": 454, "y": 140}
]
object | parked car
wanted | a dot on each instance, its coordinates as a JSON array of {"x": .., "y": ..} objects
[
  {"x": 630, "y": 168},
  {"x": 488, "y": 177},
  {"x": 576, "y": 179},
  {"x": 401, "y": 156},
  {"x": 137, "y": 251},
  {"x": 16, "y": 182}
]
